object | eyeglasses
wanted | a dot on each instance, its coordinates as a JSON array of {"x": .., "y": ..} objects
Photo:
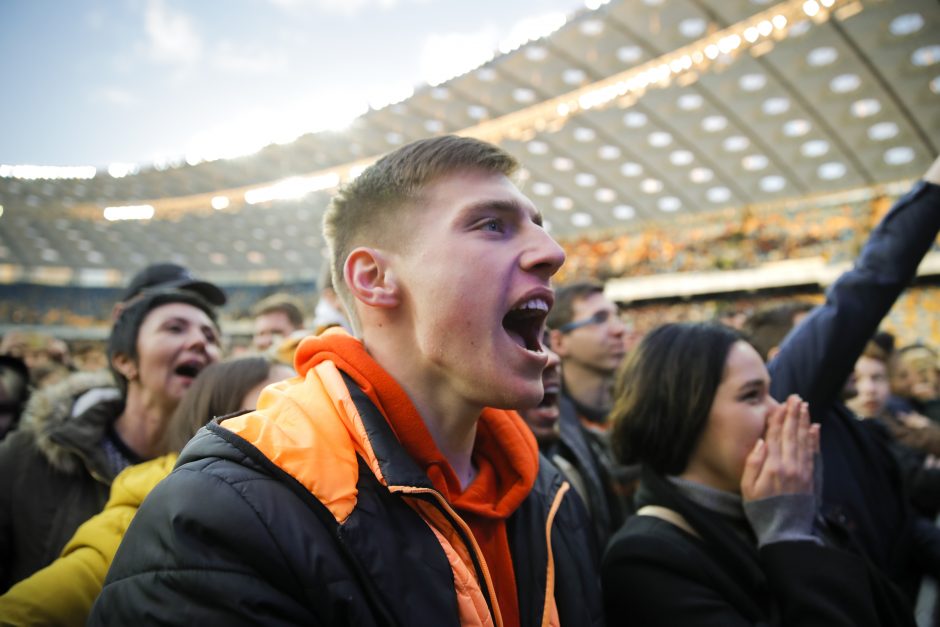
[{"x": 598, "y": 318}]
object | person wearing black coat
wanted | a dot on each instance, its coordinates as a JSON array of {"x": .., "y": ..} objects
[{"x": 725, "y": 534}]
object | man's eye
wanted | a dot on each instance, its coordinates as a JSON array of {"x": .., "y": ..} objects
[{"x": 493, "y": 225}]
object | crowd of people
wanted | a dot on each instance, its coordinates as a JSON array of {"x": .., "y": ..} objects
[{"x": 458, "y": 437}]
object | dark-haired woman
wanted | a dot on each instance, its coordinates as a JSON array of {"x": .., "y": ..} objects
[{"x": 725, "y": 531}]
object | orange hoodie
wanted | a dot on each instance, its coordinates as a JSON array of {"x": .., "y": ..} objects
[{"x": 505, "y": 454}]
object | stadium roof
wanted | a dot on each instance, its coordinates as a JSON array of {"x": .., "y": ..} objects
[{"x": 633, "y": 110}]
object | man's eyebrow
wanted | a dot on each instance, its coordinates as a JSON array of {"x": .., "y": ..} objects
[{"x": 506, "y": 207}]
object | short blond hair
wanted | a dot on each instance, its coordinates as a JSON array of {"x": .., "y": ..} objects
[{"x": 367, "y": 211}]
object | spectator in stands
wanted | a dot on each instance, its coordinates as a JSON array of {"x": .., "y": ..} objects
[
  {"x": 861, "y": 490},
  {"x": 55, "y": 471},
  {"x": 277, "y": 318},
  {"x": 46, "y": 357},
  {"x": 63, "y": 592},
  {"x": 383, "y": 485},
  {"x": 915, "y": 381},
  {"x": 725, "y": 530},
  {"x": 588, "y": 335},
  {"x": 14, "y": 391}
]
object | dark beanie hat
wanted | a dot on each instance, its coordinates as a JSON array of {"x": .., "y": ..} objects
[{"x": 123, "y": 339}]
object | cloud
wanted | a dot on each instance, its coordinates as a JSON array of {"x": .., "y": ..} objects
[
  {"x": 171, "y": 35},
  {"x": 251, "y": 59},
  {"x": 348, "y": 8},
  {"x": 115, "y": 96}
]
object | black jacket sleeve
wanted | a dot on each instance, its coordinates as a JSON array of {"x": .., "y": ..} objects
[
  {"x": 817, "y": 357},
  {"x": 199, "y": 552}
]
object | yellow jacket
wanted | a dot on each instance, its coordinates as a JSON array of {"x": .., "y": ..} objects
[{"x": 63, "y": 592}]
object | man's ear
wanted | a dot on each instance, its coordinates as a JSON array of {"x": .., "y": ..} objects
[
  {"x": 125, "y": 365},
  {"x": 556, "y": 342},
  {"x": 370, "y": 278}
]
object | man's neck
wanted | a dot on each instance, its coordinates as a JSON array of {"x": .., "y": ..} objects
[
  {"x": 141, "y": 425},
  {"x": 587, "y": 387},
  {"x": 450, "y": 421}
]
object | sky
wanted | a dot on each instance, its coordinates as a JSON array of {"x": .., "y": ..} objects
[{"x": 100, "y": 82}]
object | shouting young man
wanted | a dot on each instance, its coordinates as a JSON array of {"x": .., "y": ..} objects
[{"x": 389, "y": 483}]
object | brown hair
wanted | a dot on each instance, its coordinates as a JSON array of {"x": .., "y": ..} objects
[
  {"x": 562, "y": 311},
  {"x": 285, "y": 303},
  {"x": 367, "y": 210},
  {"x": 217, "y": 391}
]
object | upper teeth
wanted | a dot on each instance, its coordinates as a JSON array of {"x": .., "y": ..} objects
[{"x": 534, "y": 303}]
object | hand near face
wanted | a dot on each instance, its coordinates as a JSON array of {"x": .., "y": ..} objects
[{"x": 782, "y": 461}]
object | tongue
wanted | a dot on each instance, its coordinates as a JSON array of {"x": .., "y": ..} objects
[{"x": 516, "y": 337}]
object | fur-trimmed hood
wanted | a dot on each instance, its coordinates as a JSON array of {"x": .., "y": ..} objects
[{"x": 69, "y": 419}]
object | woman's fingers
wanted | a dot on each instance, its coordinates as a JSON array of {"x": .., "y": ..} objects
[{"x": 753, "y": 466}]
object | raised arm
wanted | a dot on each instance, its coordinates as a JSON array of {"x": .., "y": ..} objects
[{"x": 817, "y": 357}]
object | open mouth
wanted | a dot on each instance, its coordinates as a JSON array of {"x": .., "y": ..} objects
[
  {"x": 524, "y": 323},
  {"x": 549, "y": 399},
  {"x": 189, "y": 369}
]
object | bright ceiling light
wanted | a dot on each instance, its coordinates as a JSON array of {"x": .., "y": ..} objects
[
  {"x": 624, "y": 212},
  {"x": 581, "y": 219},
  {"x": 562, "y": 203},
  {"x": 651, "y": 186},
  {"x": 129, "y": 212},
  {"x": 776, "y": 106},
  {"x": 831, "y": 170},
  {"x": 701, "y": 175},
  {"x": 811, "y": 8},
  {"x": 659, "y": 139},
  {"x": 523, "y": 95},
  {"x": 585, "y": 179},
  {"x": 440, "y": 93},
  {"x": 899, "y": 155},
  {"x": 535, "y": 53},
  {"x": 631, "y": 169},
  {"x": 814, "y": 148},
  {"x": 865, "y": 107},
  {"x": 714, "y": 123},
  {"x": 584, "y": 134},
  {"x": 486, "y": 74},
  {"x": 629, "y": 54},
  {"x": 562, "y": 164},
  {"x": 689, "y": 102},
  {"x": 680, "y": 157},
  {"x": 754, "y": 163},
  {"x": 592, "y": 28},
  {"x": 394, "y": 138},
  {"x": 669, "y": 204},
  {"x": 882, "y": 130},
  {"x": 537, "y": 147},
  {"x": 844, "y": 83},
  {"x": 906, "y": 24},
  {"x": 821, "y": 56},
  {"x": 736, "y": 143},
  {"x": 220, "y": 202},
  {"x": 433, "y": 126},
  {"x": 718, "y": 194},
  {"x": 608, "y": 152},
  {"x": 634, "y": 119},
  {"x": 542, "y": 189},
  {"x": 477, "y": 112},
  {"x": 796, "y": 128},
  {"x": 773, "y": 183},
  {"x": 928, "y": 55},
  {"x": 753, "y": 82},
  {"x": 605, "y": 194},
  {"x": 692, "y": 27},
  {"x": 573, "y": 76}
]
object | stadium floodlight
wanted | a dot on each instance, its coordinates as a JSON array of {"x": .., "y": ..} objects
[
  {"x": 293, "y": 188},
  {"x": 129, "y": 212}
]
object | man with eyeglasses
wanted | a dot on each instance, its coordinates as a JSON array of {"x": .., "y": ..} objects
[{"x": 586, "y": 332}]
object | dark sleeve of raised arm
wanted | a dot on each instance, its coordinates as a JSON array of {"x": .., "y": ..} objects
[{"x": 816, "y": 358}]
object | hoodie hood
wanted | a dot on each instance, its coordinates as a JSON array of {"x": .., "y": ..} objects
[{"x": 69, "y": 419}]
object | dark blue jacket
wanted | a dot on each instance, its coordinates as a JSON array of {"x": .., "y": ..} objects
[{"x": 863, "y": 487}]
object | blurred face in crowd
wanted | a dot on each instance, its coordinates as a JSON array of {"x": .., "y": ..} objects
[
  {"x": 543, "y": 418},
  {"x": 271, "y": 328},
  {"x": 871, "y": 387},
  {"x": 737, "y": 418},
  {"x": 175, "y": 343},
  {"x": 915, "y": 375},
  {"x": 598, "y": 345}
]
